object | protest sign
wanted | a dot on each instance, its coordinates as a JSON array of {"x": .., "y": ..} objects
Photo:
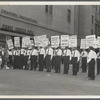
[
  {"x": 40, "y": 40},
  {"x": 64, "y": 40},
  {"x": 98, "y": 42},
  {"x": 16, "y": 41},
  {"x": 24, "y": 42},
  {"x": 83, "y": 44},
  {"x": 90, "y": 41},
  {"x": 73, "y": 41},
  {"x": 10, "y": 44},
  {"x": 55, "y": 41}
]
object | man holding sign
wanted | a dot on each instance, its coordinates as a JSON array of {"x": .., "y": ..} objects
[
  {"x": 67, "y": 59},
  {"x": 83, "y": 55}
]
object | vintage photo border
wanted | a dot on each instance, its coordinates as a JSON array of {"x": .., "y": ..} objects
[{"x": 49, "y": 97}]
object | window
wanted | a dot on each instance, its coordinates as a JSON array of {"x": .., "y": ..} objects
[
  {"x": 92, "y": 19},
  {"x": 69, "y": 16},
  {"x": 92, "y": 32},
  {"x": 99, "y": 9},
  {"x": 46, "y": 8},
  {"x": 49, "y": 9}
]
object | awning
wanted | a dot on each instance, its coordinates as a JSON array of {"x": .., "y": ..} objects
[{"x": 12, "y": 34}]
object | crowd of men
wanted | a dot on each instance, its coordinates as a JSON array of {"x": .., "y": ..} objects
[{"x": 40, "y": 58}]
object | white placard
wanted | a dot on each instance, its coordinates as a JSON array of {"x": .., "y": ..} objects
[
  {"x": 16, "y": 41},
  {"x": 55, "y": 41},
  {"x": 73, "y": 41},
  {"x": 83, "y": 44},
  {"x": 10, "y": 44},
  {"x": 64, "y": 40},
  {"x": 28, "y": 42},
  {"x": 90, "y": 41},
  {"x": 24, "y": 42},
  {"x": 98, "y": 42},
  {"x": 41, "y": 40}
]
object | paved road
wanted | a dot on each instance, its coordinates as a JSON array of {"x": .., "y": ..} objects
[{"x": 21, "y": 82}]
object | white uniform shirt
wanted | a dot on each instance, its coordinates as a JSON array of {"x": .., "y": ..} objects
[
  {"x": 98, "y": 55},
  {"x": 22, "y": 51},
  {"x": 91, "y": 55},
  {"x": 9, "y": 52},
  {"x": 34, "y": 52},
  {"x": 18, "y": 52},
  {"x": 84, "y": 54},
  {"x": 49, "y": 51},
  {"x": 67, "y": 53},
  {"x": 76, "y": 53},
  {"x": 28, "y": 52},
  {"x": 42, "y": 51},
  {"x": 25, "y": 52},
  {"x": 14, "y": 52},
  {"x": 59, "y": 52}
]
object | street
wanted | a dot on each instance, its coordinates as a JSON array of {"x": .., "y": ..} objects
[{"x": 21, "y": 82}]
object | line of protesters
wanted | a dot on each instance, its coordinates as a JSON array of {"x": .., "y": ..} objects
[{"x": 51, "y": 58}]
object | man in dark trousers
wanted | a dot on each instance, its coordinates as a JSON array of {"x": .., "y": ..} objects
[
  {"x": 75, "y": 60},
  {"x": 15, "y": 58},
  {"x": 18, "y": 58},
  {"x": 84, "y": 60},
  {"x": 58, "y": 60},
  {"x": 91, "y": 59},
  {"x": 21, "y": 58},
  {"x": 98, "y": 62},
  {"x": 41, "y": 58},
  {"x": 49, "y": 56},
  {"x": 67, "y": 59},
  {"x": 33, "y": 58}
]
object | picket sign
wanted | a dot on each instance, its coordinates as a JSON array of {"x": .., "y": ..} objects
[
  {"x": 64, "y": 40},
  {"x": 83, "y": 44},
  {"x": 90, "y": 41},
  {"x": 41, "y": 40},
  {"x": 98, "y": 42},
  {"x": 73, "y": 41},
  {"x": 55, "y": 41},
  {"x": 16, "y": 41},
  {"x": 10, "y": 44}
]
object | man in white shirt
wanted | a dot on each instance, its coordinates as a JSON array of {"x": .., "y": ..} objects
[
  {"x": 84, "y": 60},
  {"x": 98, "y": 62},
  {"x": 33, "y": 58},
  {"x": 41, "y": 58},
  {"x": 49, "y": 56},
  {"x": 10, "y": 57},
  {"x": 75, "y": 60},
  {"x": 21, "y": 58},
  {"x": 18, "y": 58},
  {"x": 67, "y": 59},
  {"x": 27, "y": 56},
  {"x": 15, "y": 58},
  {"x": 91, "y": 59},
  {"x": 58, "y": 60}
]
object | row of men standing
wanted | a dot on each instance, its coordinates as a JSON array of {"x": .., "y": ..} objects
[{"x": 49, "y": 57}]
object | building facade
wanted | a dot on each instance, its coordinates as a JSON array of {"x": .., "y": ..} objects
[{"x": 30, "y": 20}]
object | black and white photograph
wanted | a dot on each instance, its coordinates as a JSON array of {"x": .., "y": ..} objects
[{"x": 49, "y": 49}]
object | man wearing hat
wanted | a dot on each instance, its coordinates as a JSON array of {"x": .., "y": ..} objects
[
  {"x": 84, "y": 60},
  {"x": 91, "y": 59},
  {"x": 67, "y": 59},
  {"x": 22, "y": 58},
  {"x": 98, "y": 62},
  {"x": 41, "y": 58},
  {"x": 49, "y": 56},
  {"x": 75, "y": 60},
  {"x": 58, "y": 59},
  {"x": 33, "y": 58}
]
